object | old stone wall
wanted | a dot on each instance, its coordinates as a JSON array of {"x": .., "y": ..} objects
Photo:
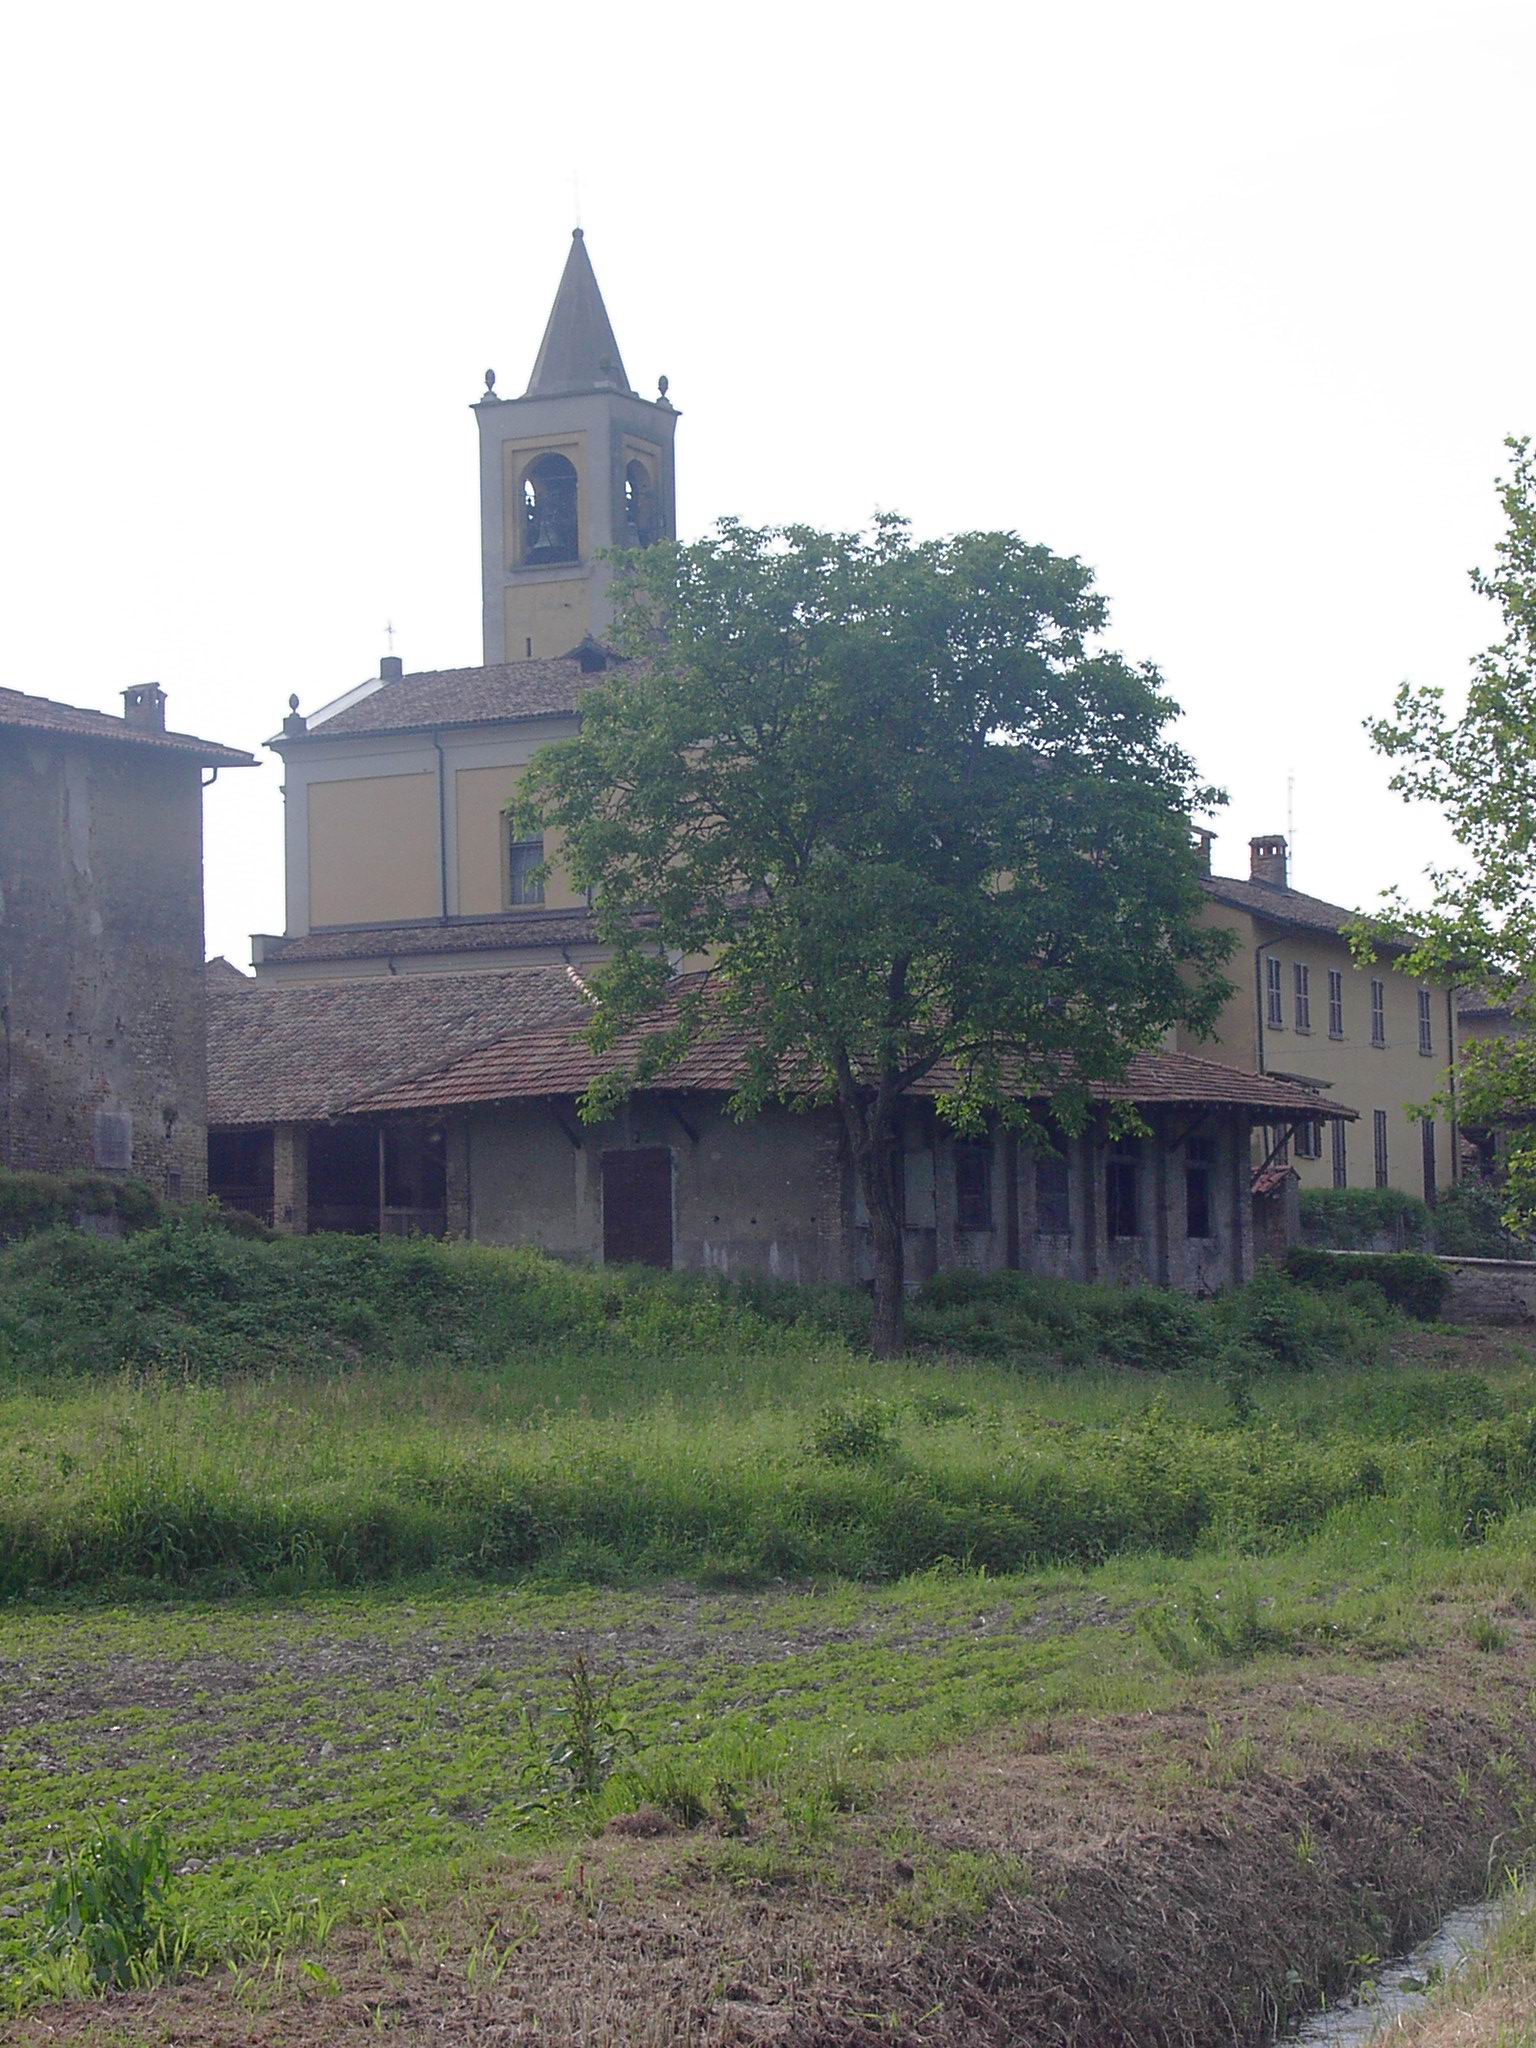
[
  {"x": 1490, "y": 1290},
  {"x": 103, "y": 1060}
]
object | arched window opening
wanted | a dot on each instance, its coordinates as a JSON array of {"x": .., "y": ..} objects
[
  {"x": 639, "y": 506},
  {"x": 549, "y": 506}
]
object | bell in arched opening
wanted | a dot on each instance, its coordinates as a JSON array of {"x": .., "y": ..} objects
[{"x": 549, "y": 502}]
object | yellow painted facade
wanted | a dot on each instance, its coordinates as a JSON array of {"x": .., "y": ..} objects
[
  {"x": 481, "y": 796},
  {"x": 1322, "y": 1032},
  {"x": 373, "y": 849}
]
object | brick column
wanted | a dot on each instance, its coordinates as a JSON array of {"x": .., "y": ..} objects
[{"x": 290, "y": 1179}]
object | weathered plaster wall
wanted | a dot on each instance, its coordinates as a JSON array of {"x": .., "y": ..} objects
[
  {"x": 777, "y": 1196},
  {"x": 760, "y": 1197},
  {"x": 101, "y": 957}
]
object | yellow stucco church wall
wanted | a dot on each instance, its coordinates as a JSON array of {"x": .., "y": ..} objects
[
  {"x": 373, "y": 849},
  {"x": 481, "y": 796}
]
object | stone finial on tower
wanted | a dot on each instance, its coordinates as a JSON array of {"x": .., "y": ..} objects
[{"x": 293, "y": 724}]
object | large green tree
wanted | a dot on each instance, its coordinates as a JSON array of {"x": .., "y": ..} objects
[
  {"x": 910, "y": 810},
  {"x": 1478, "y": 764}
]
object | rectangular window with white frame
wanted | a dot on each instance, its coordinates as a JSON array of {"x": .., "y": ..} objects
[
  {"x": 1379, "y": 1132},
  {"x": 1335, "y": 1003},
  {"x": 1274, "y": 984},
  {"x": 1302, "y": 976},
  {"x": 1426, "y": 1024},
  {"x": 1379, "y": 1016},
  {"x": 1309, "y": 1138}
]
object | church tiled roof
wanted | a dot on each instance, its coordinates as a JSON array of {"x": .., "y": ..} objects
[{"x": 433, "y": 698}]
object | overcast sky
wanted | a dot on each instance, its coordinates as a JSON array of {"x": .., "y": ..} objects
[{"x": 1233, "y": 301}]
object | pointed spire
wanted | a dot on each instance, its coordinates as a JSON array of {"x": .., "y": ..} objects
[{"x": 578, "y": 352}]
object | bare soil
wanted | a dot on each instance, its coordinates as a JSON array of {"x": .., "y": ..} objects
[{"x": 1189, "y": 1876}]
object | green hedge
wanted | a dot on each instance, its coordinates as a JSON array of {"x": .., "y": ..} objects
[
  {"x": 1409, "y": 1280},
  {"x": 31, "y": 1202},
  {"x": 1348, "y": 1219}
]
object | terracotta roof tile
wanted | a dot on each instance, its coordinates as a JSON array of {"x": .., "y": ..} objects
[
  {"x": 523, "y": 928},
  {"x": 462, "y": 696},
  {"x": 21, "y": 713},
  {"x": 296, "y": 1052},
  {"x": 556, "y": 1061},
  {"x": 1282, "y": 906}
]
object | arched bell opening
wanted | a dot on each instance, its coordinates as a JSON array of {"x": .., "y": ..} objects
[
  {"x": 550, "y": 529},
  {"x": 640, "y": 527}
]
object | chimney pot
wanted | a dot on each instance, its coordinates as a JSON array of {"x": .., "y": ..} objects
[
  {"x": 391, "y": 668},
  {"x": 144, "y": 707},
  {"x": 1267, "y": 860}
]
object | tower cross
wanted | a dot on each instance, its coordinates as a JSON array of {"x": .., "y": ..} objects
[{"x": 389, "y": 633}]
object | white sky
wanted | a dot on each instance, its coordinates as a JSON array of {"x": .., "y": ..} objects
[{"x": 1234, "y": 301}]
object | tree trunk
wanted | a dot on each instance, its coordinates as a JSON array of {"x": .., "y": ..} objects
[
  {"x": 875, "y": 1142},
  {"x": 888, "y": 1335}
]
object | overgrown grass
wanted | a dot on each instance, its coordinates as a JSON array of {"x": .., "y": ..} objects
[{"x": 189, "y": 1410}]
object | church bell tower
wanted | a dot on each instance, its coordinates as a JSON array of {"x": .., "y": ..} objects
[{"x": 578, "y": 464}]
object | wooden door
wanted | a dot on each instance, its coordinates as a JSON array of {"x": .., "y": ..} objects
[{"x": 637, "y": 1207}]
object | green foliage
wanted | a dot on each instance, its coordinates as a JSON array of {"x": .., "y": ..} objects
[
  {"x": 1366, "y": 1219},
  {"x": 1478, "y": 766},
  {"x": 852, "y": 1432},
  {"x": 1410, "y": 1281},
  {"x": 1201, "y": 1629},
  {"x": 1019, "y": 1315},
  {"x": 32, "y": 1202},
  {"x": 1487, "y": 1472},
  {"x": 911, "y": 810},
  {"x": 956, "y": 1888},
  {"x": 214, "y": 1413},
  {"x": 1469, "y": 1224},
  {"x": 107, "y": 1911},
  {"x": 594, "y": 1738}
]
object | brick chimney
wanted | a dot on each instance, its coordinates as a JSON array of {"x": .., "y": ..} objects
[
  {"x": 144, "y": 707},
  {"x": 1266, "y": 860},
  {"x": 1203, "y": 841}
]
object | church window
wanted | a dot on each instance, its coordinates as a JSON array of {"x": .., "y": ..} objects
[
  {"x": 549, "y": 507},
  {"x": 525, "y": 882},
  {"x": 639, "y": 506}
]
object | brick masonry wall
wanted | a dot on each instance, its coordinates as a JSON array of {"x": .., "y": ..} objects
[{"x": 101, "y": 958}]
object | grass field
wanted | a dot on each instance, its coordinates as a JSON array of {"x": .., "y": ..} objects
[{"x": 303, "y": 1546}]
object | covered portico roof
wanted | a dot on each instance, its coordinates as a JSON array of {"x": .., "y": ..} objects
[{"x": 557, "y": 1061}]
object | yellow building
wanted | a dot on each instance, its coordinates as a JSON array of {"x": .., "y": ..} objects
[
  {"x": 399, "y": 854},
  {"x": 1371, "y": 1037}
]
